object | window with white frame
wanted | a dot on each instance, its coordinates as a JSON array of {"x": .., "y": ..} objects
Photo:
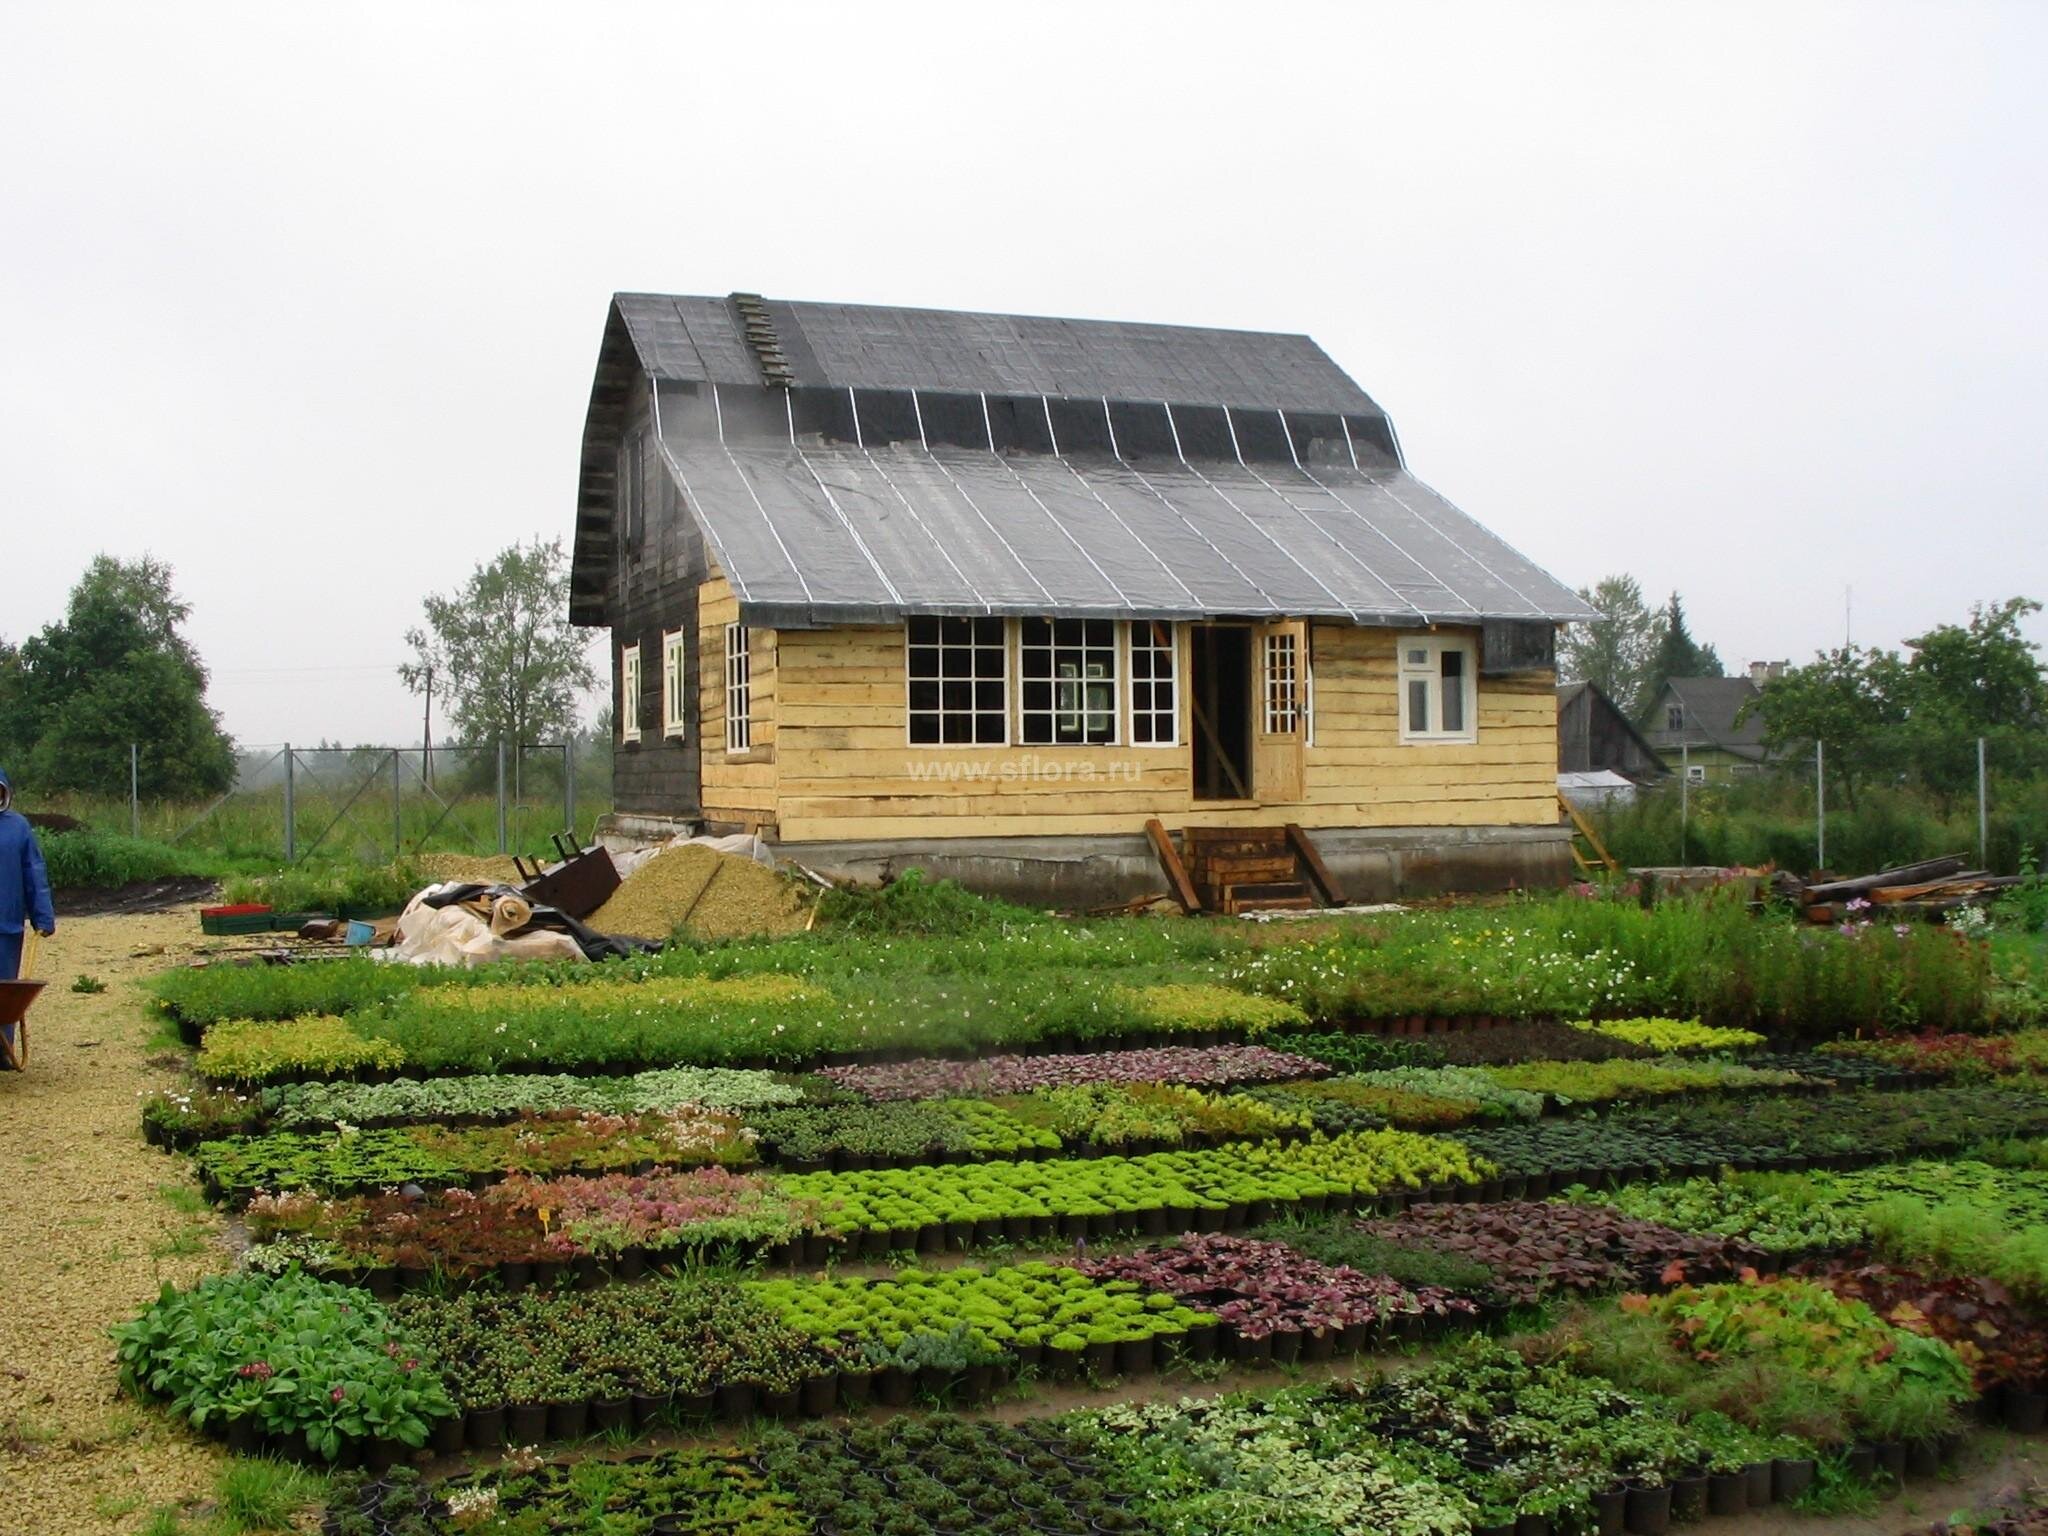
[
  {"x": 957, "y": 672},
  {"x": 629, "y": 693},
  {"x": 1066, "y": 671},
  {"x": 1438, "y": 701},
  {"x": 1695, "y": 773},
  {"x": 674, "y": 720},
  {"x": 739, "y": 690},
  {"x": 1155, "y": 691},
  {"x": 1282, "y": 691}
]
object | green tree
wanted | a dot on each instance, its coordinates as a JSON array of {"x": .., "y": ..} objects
[
  {"x": 500, "y": 650},
  {"x": 1614, "y": 651},
  {"x": 1963, "y": 681},
  {"x": 1849, "y": 699},
  {"x": 115, "y": 670},
  {"x": 1677, "y": 655}
]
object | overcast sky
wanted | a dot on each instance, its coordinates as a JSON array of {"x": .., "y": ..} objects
[{"x": 1745, "y": 299}]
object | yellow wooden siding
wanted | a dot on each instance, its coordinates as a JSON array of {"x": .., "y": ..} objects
[
  {"x": 845, "y": 769},
  {"x": 737, "y": 787}
]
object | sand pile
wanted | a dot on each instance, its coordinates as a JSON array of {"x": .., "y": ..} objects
[{"x": 709, "y": 895}]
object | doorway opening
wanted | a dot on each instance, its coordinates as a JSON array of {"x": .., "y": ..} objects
[{"x": 1220, "y": 710}]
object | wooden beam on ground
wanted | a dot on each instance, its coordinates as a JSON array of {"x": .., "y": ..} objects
[
  {"x": 1312, "y": 861},
  {"x": 1905, "y": 874},
  {"x": 1176, "y": 876}
]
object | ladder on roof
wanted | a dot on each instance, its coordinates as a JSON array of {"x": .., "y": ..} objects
[{"x": 1594, "y": 855}]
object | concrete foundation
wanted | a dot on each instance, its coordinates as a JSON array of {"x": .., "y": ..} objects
[{"x": 1368, "y": 863}]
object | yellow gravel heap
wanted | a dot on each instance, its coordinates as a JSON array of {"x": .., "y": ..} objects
[
  {"x": 707, "y": 894},
  {"x": 442, "y": 867}
]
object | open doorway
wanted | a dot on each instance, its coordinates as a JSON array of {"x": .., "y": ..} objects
[{"x": 1220, "y": 710}]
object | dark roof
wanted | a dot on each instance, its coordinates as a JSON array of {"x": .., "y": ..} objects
[
  {"x": 870, "y": 346},
  {"x": 1711, "y": 705},
  {"x": 853, "y": 465}
]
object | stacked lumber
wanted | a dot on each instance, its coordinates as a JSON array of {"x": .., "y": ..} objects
[{"x": 1933, "y": 888}]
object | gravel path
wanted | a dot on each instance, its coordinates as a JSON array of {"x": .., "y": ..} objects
[{"x": 86, "y": 1239}]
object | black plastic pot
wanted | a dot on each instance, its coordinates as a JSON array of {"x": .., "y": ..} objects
[
  {"x": 736, "y": 1400},
  {"x": 569, "y": 1421},
  {"x": 1648, "y": 1512},
  {"x": 893, "y": 1386},
  {"x": 1286, "y": 1346},
  {"x": 1504, "y": 1528},
  {"x": 1610, "y": 1512},
  {"x": 1199, "y": 1342},
  {"x": 448, "y": 1436},
  {"x": 527, "y": 1423},
  {"x": 1923, "y": 1459},
  {"x": 1100, "y": 1359},
  {"x": 779, "y": 1405},
  {"x": 1318, "y": 1344},
  {"x": 2025, "y": 1412},
  {"x": 611, "y": 1413},
  {"x": 1891, "y": 1461},
  {"x": 1727, "y": 1493},
  {"x": 856, "y": 1388},
  {"x": 484, "y": 1428},
  {"x": 1689, "y": 1498},
  {"x": 1862, "y": 1463},
  {"x": 1532, "y": 1525},
  {"x": 820, "y": 1395},
  {"x": 1790, "y": 1477},
  {"x": 1756, "y": 1478},
  {"x": 1133, "y": 1356}
]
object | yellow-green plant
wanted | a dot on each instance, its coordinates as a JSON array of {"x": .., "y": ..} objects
[
  {"x": 1198, "y": 1006},
  {"x": 254, "y": 1051},
  {"x": 1672, "y": 1034}
]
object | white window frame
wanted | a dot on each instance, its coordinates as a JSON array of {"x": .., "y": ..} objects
[
  {"x": 1003, "y": 645},
  {"x": 1155, "y": 715},
  {"x": 739, "y": 689},
  {"x": 675, "y": 720},
  {"x": 1430, "y": 671},
  {"x": 1695, "y": 773},
  {"x": 629, "y": 692},
  {"x": 1078, "y": 684},
  {"x": 1280, "y": 689}
]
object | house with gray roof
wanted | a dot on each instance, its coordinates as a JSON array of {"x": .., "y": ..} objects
[
  {"x": 1707, "y": 727},
  {"x": 993, "y": 594}
]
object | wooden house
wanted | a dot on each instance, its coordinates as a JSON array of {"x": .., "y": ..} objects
[
  {"x": 1709, "y": 728},
  {"x": 988, "y": 594},
  {"x": 1593, "y": 735}
]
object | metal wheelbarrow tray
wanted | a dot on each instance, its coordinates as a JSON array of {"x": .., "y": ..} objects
[{"x": 15, "y": 997}]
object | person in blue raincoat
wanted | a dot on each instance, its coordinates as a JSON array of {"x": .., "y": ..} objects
[{"x": 24, "y": 884}]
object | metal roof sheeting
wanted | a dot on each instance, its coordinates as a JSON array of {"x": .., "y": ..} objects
[{"x": 816, "y": 533}]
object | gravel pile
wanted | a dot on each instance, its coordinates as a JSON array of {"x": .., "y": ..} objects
[{"x": 709, "y": 895}]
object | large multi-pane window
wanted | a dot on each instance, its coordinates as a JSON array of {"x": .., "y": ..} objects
[
  {"x": 1155, "y": 696},
  {"x": 1281, "y": 675},
  {"x": 1067, "y": 682},
  {"x": 957, "y": 670},
  {"x": 739, "y": 690},
  {"x": 1436, "y": 677}
]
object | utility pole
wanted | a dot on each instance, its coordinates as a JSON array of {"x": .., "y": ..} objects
[{"x": 427, "y": 734}]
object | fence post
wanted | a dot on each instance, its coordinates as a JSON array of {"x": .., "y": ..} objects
[
  {"x": 1684, "y": 796},
  {"x": 397, "y": 811},
  {"x": 501, "y": 794},
  {"x": 569, "y": 788},
  {"x": 1983, "y": 811},
  {"x": 135, "y": 787},
  {"x": 291, "y": 831},
  {"x": 1820, "y": 808}
]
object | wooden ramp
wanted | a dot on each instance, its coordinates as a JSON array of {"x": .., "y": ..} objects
[{"x": 1594, "y": 855}]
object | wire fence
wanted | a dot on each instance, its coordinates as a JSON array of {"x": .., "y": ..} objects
[
  {"x": 371, "y": 803},
  {"x": 1822, "y": 806}
]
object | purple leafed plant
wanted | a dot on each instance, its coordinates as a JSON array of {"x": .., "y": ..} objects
[
  {"x": 1195, "y": 1066},
  {"x": 1261, "y": 1288}
]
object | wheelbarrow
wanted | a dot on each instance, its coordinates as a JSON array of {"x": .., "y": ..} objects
[{"x": 15, "y": 997}]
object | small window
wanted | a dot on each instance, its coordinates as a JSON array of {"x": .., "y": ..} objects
[
  {"x": 1067, "y": 674},
  {"x": 1437, "y": 698},
  {"x": 632, "y": 484},
  {"x": 1674, "y": 717},
  {"x": 674, "y": 721},
  {"x": 1282, "y": 691},
  {"x": 956, "y": 673},
  {"x": 629, "y": 693},
  {"x": 1155, "y": 694},
  {"x": 1695, "y": 774},
  {"x": 739, "y": 690}
]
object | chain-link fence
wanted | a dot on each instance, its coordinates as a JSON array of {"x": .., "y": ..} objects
[
  {"x": 370, "y": 803},
  {"x": 1880, "y": 802}
]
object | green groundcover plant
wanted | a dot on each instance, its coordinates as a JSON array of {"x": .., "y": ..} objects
[{"x": 288, "y": 1355}]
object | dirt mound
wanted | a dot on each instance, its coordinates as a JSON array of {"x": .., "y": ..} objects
[{"x": 707, "y": 894}]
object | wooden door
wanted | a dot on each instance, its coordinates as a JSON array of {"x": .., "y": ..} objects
[{"x": 1280, "y": 662}]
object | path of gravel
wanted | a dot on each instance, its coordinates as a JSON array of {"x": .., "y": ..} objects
[{"x": 86, "y": 1238}]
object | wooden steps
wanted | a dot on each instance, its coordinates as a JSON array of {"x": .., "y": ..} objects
[{"x": 1249, "y": 869}]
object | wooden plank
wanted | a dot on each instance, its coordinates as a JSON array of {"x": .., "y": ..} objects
[
  {"x": 1312, "y": 861},
  {"x": 1169, "y": 860},
  {"x": 1905, "y": 874}
]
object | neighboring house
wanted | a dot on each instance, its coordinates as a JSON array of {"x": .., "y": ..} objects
[
  {"x": 984, "y": 594},
  {"x": 1594, "y": 735},
  {"x": 1694, "y": 726}
]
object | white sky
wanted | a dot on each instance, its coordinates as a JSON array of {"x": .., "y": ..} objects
[{"x": 1745, "y": 299}]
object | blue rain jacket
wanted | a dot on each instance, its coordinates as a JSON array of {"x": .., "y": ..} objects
[{"x": 24, "y": 883}]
